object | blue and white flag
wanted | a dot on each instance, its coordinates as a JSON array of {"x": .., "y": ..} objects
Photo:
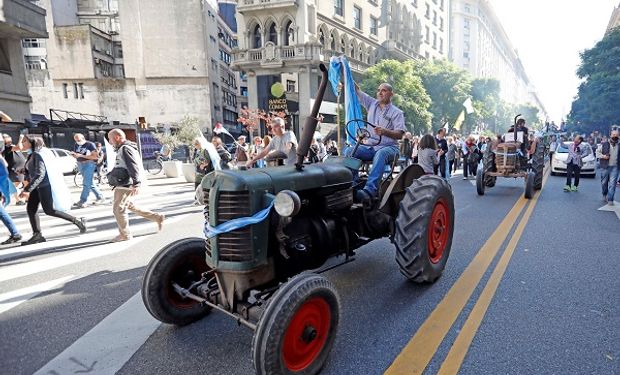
[{"x": 353, "y": 110}]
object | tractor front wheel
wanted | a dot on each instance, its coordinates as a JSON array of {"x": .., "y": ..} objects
[
  {"x": 424, "y": 228},
  {"x": 480, "y": 178},
  {"x": 296, "y": 331},
  {"x": 181, "y": 262},
  {"x": 488, "y": 163}
]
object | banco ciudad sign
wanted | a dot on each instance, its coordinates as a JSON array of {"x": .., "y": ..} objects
[{"x": 277, "y": 101}]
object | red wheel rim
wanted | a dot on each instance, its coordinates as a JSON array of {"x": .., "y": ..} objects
[
  {"x": 438, "y": 231},
  {"x": 306, "y": 334}
]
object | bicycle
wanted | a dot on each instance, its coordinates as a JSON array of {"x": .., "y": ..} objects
[
  {"x": 155, "y": 166},
  {"x": 78, "y": 179}
]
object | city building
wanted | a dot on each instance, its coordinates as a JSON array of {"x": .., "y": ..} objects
[
  {"x": 479, "y": 44},
  {"x": 614, "y": 20},
  {"x": 283, "y": 41},
  {"x": 127, "y": 60},
  {"x": 19, "y": 19}
]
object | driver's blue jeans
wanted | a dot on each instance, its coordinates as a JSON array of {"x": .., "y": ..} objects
[{"x": 380, "y": 158}]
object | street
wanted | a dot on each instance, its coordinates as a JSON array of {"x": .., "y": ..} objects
[{"x": 531, "y": 287}]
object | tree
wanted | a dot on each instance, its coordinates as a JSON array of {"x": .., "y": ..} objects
[
  {"x": 596, "y": 105},
  {"x": 183, "y": 133},
  {"x": 448, "y": 86},
  {"x": 409, "y": 93}
]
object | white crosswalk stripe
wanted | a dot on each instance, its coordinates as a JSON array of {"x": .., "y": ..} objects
[
  {"x": 33, "y": 276},
  {"x": 109, "y": 345}
]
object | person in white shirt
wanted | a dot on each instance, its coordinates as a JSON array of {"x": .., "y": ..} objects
[{"x": 283, "y": 141}]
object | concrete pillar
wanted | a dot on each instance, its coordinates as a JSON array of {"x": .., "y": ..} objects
[{"x": 252, "y": 91}]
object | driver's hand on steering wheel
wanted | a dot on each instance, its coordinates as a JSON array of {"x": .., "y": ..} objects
[{"x": 378, "y": 131}]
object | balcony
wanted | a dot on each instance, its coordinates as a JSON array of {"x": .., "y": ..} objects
[
  {"x": 246, "y": 6},
  {"x": 272, "y": 56},
  {"x": 23, "y": 19}
]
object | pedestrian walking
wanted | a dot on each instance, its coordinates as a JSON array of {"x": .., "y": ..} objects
[
  {"x": 428, "y": 155},
  {"x": 86, "y": 154},
  {"x": 101, "y": 158},
  {"x": 442, "y": 145},
  {"x": 46, "y": 186},
  {"x": 202, "y": 161},
  {"x": 574, "y": 162},
  {"x": 609, "y": 155},
  {"x": 15, "y": 160},
  {"x": 241, "y": 153},
  {"x": 225, "y": 156},
  {"x": 470, "y": 157},
  {"x": 256, "y": 149},
  {"x": 5, "y": 199},
  {"x": 126, "y": 179},
  {"x": 451, "y": 155}
]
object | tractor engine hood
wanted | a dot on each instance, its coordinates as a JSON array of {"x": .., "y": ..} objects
[{"x": 274, "y": 180}]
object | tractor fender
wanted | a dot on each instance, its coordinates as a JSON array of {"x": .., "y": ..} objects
[{"x": 395, "y": 191}]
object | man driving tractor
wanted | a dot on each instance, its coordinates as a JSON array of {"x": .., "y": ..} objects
[{"x": 390, "y": 127}]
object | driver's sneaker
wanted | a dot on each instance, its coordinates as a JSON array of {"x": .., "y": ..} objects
[
  {"x": 574, "y": 188},
  {"x": 566, "y": 187},
  {"x": 361, "y": 196}
]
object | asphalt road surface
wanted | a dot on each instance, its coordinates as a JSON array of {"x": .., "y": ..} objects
[{"x": 531, "y": 287}]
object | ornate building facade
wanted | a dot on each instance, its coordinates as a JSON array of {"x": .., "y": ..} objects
[{"x": 479, "y": 44}]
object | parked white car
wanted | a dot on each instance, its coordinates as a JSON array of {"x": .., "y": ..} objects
[
  {"x": 67, "y": 162},
  {"x": 558, "y": 162}
]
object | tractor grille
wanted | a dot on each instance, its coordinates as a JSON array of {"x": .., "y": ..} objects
[
  {"x": 506, "y": 157},
  {"x": 233, "y": 246}
]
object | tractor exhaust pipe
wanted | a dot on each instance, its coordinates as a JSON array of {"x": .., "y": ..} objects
[{"x": 311, "y": 121}]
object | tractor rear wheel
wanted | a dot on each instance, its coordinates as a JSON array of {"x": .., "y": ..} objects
[
  {"x": 538, "y": 164},
  {"x": 529, "y": 185},
  {"x": 181, "y": 262},
  {"x": 424, "y": 228},
  {"x": 296, "y": 331},
  {"x": 488, "y": 163}
]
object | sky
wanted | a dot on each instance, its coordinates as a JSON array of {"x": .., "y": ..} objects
[{"x": 549, "y": 35}]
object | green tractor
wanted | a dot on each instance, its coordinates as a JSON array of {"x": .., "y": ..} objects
[{"x": 271, "y": 232}]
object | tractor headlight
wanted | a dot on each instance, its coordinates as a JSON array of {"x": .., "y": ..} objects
[{"x": 287, "y": 203}]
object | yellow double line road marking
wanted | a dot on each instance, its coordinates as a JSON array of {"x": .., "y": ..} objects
[{"x": 418, "y": 353}]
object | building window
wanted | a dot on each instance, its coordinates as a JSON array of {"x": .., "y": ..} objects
[
  {"x": 466, "y": 24},
  {"x": 357, "y": 17},
  {"x": 273, "y": 34},
  {"x": 339, "y": 7},
  {"x": 374, "y": 26},
  {"x": 441, "y": 5},
  {"x": 414, "y": 3},
  {"x": 33, "y": 43},
  {"x": 75, "y": 91},
  {"x": 33, "y": 62},
  {"x": 467, "y": 8},
  {"x": 65, "y": 94},
  {"x": 256, "y": 38},
  {"x": 5, "y": 62},
  {"x": 466, "y": 55},
  {"x": 435, "y": 18},
  {"x": 427, "y": 14},
  {"x": 441, "y": 23},
  {"x": 441, "y": 45},
  {"x": 434, "y": 40},
  {"x": 427, "y": 38},
  {"x": 290, "y": 86},
  {"x": 289, "y": 34},
  {"x": 81, "y": 87}
]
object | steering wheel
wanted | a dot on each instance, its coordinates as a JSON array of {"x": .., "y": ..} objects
[{"x": 361, "y": 132}]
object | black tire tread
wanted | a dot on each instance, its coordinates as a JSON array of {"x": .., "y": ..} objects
[
  {"x": 538, "y": 164},
  {"x": 151, "y": 287},
  {"x": 411, "y": 227},
  {"x": 488, "y": 163}
]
